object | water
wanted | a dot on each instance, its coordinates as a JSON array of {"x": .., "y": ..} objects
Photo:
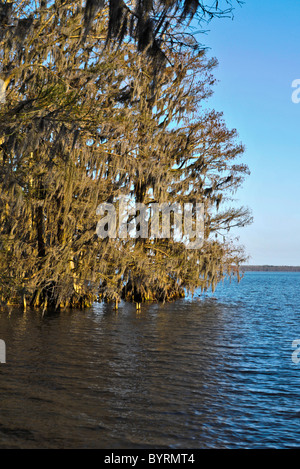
[{"x": 210, "y": 372}]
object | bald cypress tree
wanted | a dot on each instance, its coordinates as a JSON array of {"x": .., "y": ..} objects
[
  {"x": 83, "y": 124},
  {"x": 182, "y": 154}
]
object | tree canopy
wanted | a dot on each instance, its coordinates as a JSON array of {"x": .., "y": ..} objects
[
  {"x": 155, "y": 25},
  {"x": 81, "y": 125}
]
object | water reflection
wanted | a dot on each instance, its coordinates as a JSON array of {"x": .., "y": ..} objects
[{"x": 198, "y": 373}]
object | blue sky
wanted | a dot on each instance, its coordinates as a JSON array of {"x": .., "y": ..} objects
[{"x": 258, "y": 53}]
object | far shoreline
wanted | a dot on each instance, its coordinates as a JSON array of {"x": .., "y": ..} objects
[{"x": 269, "y": 268}]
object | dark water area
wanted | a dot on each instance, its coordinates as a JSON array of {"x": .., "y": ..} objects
[{"x": 211, "y": 372}]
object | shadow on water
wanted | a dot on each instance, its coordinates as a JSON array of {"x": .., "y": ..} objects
[{"x": 213, "y": 371}]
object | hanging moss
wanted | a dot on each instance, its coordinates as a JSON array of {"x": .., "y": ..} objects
[{"x": 83, "y": 124}]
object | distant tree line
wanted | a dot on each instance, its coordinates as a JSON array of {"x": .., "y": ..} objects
[{"x": 269, "y": 268}]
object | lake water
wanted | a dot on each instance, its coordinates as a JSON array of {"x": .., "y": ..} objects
[{"x": 209, "y": 372}]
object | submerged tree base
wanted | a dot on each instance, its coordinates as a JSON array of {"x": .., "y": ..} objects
[
  {"x": 44, "y": 302},
  {"x": 144, "y": 295},
  {"x": 54, "y": 297}
]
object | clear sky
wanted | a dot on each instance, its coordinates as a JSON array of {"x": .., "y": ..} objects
[{"x": 258, "y": 53}]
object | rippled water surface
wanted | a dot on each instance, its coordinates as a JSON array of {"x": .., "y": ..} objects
[{"x": 209, "y": 372}]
